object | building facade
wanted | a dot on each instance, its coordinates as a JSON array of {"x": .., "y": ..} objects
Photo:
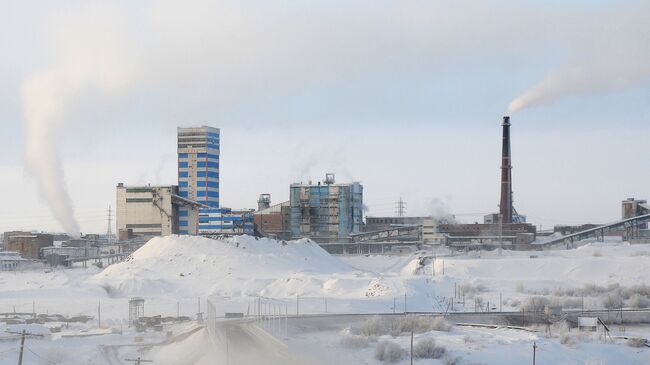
[
  {"x": 11, "y": 261},
  {"x": 326, "y": 212},
  {"x": 274, "y": 221},
  {"x": 198, "y": 174},
  {"x": 154, "y": 211},
  {"x": 28, "y": 245},
  {"x": 428, "y": 225}
]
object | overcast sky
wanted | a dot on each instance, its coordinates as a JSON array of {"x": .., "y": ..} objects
[{"x": 404, "y": 96}]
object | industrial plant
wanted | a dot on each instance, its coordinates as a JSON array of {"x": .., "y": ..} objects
[{"x": 328, "y": 212}]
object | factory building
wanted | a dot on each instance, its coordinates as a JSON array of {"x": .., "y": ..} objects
[
  {"x": 428, "y": 224},
  {"x": 198, "y": 175},
  {"x": 154, "y": 211},
  {"x": 327, "y": 211},
  {"x": 273, "y": 220},
  {"x": 26, "y": 244},
  {"x": 225, "y": 221}
]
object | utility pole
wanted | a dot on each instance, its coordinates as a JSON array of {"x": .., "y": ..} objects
[
  {"x": 411, "y": 346},
  {"x": 22, "y": 347},
  {"x": 138, "y": 361},
  {"x": 500, "y": 303},
  {"x": 22, "y": 343},
  {"x": 534, "y": 350}
]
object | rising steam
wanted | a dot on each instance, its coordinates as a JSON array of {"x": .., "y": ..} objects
[
  {"x": 579, "y": 80},
  {"x": 89, "y": 59}
]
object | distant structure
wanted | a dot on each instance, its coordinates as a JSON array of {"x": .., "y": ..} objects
[
  {"x": 400, "y": 207},
  {"x": 154, "y": 211},
  {"x": 136, "y": 310},
  {"x": 11, "y": 261},
  {"x": 27, "y": 244},
  {"x": 327, "y": 211},
  {"x": 264, "y": 201},
  {"x": 274, "y": 221},
  {"x": 631, "y": 208},
  {"x": 505, "y": 206},
  {"x": 198, "y": 175},
  {"x": 504, "y": 229},
  {"x": 427, "y": 234}
]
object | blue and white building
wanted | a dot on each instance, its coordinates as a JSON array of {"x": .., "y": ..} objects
[
  {"x": 198, "y": 180},
  {"x": 198, "y": 174}
]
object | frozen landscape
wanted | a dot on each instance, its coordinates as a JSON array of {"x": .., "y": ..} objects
[{"x": 266, "y": 280}]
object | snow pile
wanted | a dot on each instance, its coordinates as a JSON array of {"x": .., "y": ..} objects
[{"x": 242, "y": 265}]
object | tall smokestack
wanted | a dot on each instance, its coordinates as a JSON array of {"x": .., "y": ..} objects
[{"x": 505, "y": 207}]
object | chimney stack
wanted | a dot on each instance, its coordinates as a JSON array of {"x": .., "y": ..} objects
[{"x": 505, "y": 207}]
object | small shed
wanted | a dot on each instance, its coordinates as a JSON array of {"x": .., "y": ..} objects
[
  {"x": 588, "y": 324},
  {"x": 11, "y": 261}
]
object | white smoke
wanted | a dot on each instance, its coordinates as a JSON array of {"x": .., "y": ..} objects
[
  {"x": 440, "y": 212},
  {"x": 89, "y": 58},
  {"x": 581, "y": 80},
  {"x": 609, "y": 52}
]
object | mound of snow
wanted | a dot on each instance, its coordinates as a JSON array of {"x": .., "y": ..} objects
[{"x": 198, "y": 266}]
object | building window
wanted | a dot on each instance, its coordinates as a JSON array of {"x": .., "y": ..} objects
[
  {"x": 139, "y": 200},
  {"x": 182, "y": 223}
]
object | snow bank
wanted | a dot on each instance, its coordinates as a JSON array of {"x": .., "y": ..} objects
[{"x": 242, "y": 265}]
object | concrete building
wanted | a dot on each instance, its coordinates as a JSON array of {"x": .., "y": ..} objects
[
  {"x": 428, "y": 225},
  {"x": 11, "y": 261},
  {"x": 488, "y": 234},
  {"x": 154, "y": 211},
  {"x": 198, "y": 174},
  {"x": 274, "y": 221},
  {"x": 26, "y": 244},
  {"x": 326, "y": 212}
]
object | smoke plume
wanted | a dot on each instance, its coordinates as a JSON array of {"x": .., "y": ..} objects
[
  {"x": 580, "y": 80},
  {"x": 610, "y": 52},
  {"x": 440, "y": 212},
  {"x": 88, "y": 60}
]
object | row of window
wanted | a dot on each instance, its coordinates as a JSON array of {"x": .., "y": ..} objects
[
  {"x": 207, "y": 164},
  {"x": 200, "y": 164},
  {"x": 210, "y": 194},
  {"x": 198, "y": 133},
  {"x": 212, "y": 174},
  {"x": 210, "y": 184}
]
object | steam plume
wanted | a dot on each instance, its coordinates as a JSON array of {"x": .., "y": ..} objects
[
  {"x": 580, "y": 81},
  {"x": 88, "y": 59}
]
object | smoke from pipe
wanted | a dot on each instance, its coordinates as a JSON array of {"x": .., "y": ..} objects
[
  {"x": 580, "y": 81},
  {"x": 89, "y": 60}
]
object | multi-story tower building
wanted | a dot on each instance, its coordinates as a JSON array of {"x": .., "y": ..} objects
[
  {"x": 198, "y": 172},
  {"x": 326, "y": 212}
]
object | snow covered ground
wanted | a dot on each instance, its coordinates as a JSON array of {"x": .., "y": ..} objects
[{"x": 177, "y": 273}]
